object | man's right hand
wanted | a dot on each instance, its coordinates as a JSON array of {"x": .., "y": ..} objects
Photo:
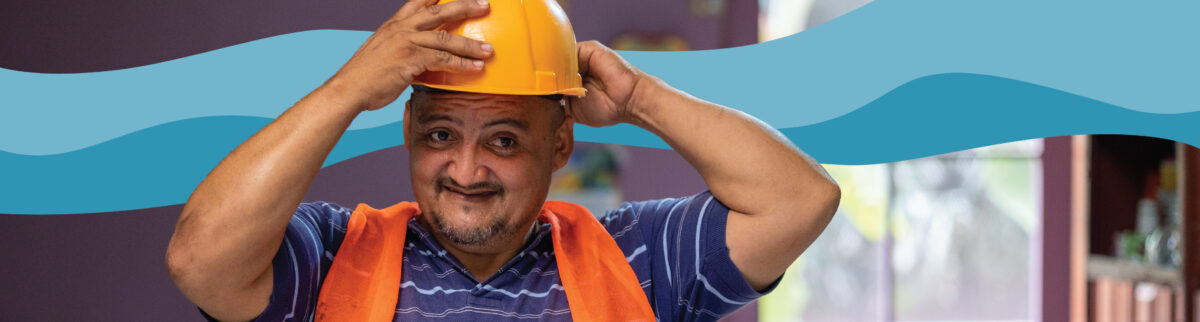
[{"x": 407, "y": 45}]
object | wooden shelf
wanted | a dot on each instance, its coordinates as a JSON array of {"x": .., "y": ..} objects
[
  {"x": 1107, "y": 266},
  {"x": 1107, "y": 176}
]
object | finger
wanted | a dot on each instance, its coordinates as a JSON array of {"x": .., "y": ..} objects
[
  {"x": 584, "y": 50},
  {"x": 587, "y": 51},
  {"x": 455, "y": 44},
  {"x": 438, "y": 14},
  {"x": 411, "y": 7},
  {"x": 444, "y": 61}
]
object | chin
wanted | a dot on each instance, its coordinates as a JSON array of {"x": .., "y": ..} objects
[{"x": 469, "y": 227}]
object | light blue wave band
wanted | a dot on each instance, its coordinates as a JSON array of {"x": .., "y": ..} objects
[
  {"x": 1141, "y": 57},
  {"x": 928, "y": 116}
]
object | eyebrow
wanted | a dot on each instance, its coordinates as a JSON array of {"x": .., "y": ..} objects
[
  {"x": 510, "y": 121},
  {"x": 439, "y": 117}
]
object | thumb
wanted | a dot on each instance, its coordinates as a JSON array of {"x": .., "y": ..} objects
[
  {"x": 580, "y": 109},
  {"x": 575, "y": 109}
]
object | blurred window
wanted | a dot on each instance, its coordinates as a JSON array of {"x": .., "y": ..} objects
[{"x": 940, "y": 238}]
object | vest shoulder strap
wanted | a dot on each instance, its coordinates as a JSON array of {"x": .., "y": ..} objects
[
  {"x": 600, "y": 284},
  {"x": 362, "y": 284}
]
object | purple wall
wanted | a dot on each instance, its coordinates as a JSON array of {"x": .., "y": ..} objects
[
  {"x": 1056, "y": 229},
  {"x": 56, "y": 36},
  {"x": 105, "y": 266},
  {"x": 604, "y": 20}
]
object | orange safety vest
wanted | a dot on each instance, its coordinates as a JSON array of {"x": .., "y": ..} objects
[{"x": 364, "y": 281}]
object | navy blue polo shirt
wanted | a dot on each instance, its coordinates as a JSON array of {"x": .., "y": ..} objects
[{"x": 676, "y": 247}]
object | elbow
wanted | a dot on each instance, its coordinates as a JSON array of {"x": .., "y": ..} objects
[
  {"x": 181, "y": 269},
  {"x": 824, "y": 197},
  {"x": 832, "y": 197},
  {"x": 180, "y": 258},
  {"x": 815, "y": 199},
  {"x": 178, "y": 272},
  {"x": 189, "y": 267},
  {"x": 818, "y": 209},
  {"x": 179, "y": 264},
  {"x": 189, "y": 277}
]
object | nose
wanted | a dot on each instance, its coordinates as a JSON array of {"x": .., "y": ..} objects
[{"x": 467, "y": 167}]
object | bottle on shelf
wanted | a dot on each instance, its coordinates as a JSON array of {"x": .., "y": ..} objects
[
  {"x": 1147, "y": 222},
  {"x": 1169, "y": 198}
]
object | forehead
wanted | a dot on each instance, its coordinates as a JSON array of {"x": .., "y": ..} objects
[{"x": 482, "y": 106}]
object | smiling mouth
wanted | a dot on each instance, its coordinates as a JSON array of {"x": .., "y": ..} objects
[{"x": 470, "y": 195}]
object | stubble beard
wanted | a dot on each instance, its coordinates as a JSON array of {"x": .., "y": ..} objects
[{"x": 469, "y": 236}]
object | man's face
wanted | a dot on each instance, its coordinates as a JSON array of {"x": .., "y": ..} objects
[{"x": 481, "y": 164}]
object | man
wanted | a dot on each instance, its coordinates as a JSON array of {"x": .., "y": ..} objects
[{"x": 480, "y": 166}]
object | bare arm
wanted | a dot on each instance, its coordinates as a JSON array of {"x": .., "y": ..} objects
[
  {"x": 779, "y": 199},
  {"x": 233, "y": 223}
]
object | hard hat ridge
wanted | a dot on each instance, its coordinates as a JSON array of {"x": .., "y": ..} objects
[{"x": 534, "y": 52}]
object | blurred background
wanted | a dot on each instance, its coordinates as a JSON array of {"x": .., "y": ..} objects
[{"x": 942, "y": 238}]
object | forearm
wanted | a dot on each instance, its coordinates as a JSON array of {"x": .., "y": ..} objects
[
  {"x": 234, "y": 222},
  {"x": 749, "y": 166}
]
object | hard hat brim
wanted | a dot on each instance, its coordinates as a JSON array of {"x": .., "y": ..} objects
[{"x": 575, "y": 91}]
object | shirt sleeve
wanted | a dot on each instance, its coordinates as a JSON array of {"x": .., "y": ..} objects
[
  {"x": 313, "y": 236},
  {"x": 677, "y": 248}
]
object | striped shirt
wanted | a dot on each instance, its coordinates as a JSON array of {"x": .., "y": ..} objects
[{"x": 675, "y": 246}]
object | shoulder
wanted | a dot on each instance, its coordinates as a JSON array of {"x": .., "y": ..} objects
[
  {"x": 320, "y": 211},
  {"x": 661, "y": 212},
  {"x": 319, "y": 223}
]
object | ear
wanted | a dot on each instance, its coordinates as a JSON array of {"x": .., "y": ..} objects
[
  {"x": 564, "y": 141},
  {"x": 407, "y": 130}
]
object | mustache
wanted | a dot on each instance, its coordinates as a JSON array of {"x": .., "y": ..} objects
[{"x": 441, "y": 182}]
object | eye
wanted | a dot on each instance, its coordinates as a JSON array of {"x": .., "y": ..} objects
[
  {"x": 504, "y": 142},
  {"x": 439, "y": 136}
]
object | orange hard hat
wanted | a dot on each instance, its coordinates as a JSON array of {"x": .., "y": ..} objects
[{"x": 534, "y": 52}]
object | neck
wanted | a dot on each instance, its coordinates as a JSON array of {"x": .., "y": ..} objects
[{"x": 485, "y": 260}]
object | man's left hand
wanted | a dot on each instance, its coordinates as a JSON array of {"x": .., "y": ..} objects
[{"x": 612, "y": 84}]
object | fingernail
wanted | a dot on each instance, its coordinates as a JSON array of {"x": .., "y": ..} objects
[
  {"x": 478, "y": 64},
  {"x": 482, "y": 2},
  {"x": 486, "y": 47}
]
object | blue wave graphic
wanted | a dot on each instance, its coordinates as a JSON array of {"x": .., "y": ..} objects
[
  {"x": 154, "y": 167},
  {"x": 927, "y": 116},
  {"x": 66, "y": 112},
  {"x": 1137, "y": 57}
]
